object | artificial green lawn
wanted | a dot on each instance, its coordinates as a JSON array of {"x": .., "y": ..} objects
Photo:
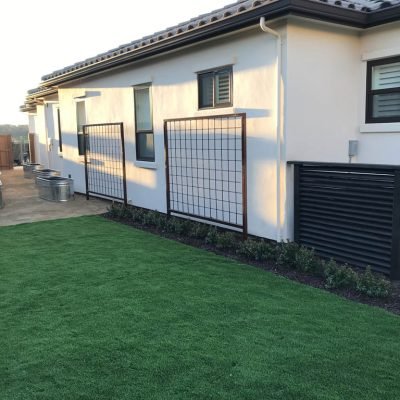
[{"x": 90, "y": 309}]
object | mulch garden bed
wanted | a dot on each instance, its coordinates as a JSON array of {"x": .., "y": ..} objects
[{"x": 391, "y": 304}]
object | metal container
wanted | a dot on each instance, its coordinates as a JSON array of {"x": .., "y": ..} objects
[
  {"x": 45, "y": 173},
  {"x": 55, "y": 188},
  {"x": 29, "y": 168},
  {"x": 1, "y": 195}
]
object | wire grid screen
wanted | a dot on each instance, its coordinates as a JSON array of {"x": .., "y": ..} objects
[
  {"x": 104, "y": 160},
  {"x": 205, "y": 160}
]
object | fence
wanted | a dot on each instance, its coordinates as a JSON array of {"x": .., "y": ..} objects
[
  {"x": 349, "y": 212},
  {"x": 206, "y": 169},
  {"x": 6, "y": 153}
]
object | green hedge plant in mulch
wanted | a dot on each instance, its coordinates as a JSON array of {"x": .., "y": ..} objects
[
  {"x": 285, "y": 255},
  {"x": 258, "y": 250}
]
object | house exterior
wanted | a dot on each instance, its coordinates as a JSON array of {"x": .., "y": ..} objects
[{"x": 308, "y": 76}]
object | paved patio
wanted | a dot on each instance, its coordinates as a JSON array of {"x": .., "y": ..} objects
[{"x": 23, "y": 205}]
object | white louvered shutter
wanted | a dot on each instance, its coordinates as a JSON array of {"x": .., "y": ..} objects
[
  {"x": 386, "y": 76},
  {"x": 223, "y": 87}
]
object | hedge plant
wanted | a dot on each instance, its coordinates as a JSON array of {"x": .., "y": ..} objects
[{"x": 283, "y": 255}]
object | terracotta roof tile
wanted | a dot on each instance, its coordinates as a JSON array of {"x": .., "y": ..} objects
[{"x": 229, "y": 11}]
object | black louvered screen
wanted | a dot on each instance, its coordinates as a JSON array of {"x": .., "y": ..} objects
[{"x": 349, "y": 212}]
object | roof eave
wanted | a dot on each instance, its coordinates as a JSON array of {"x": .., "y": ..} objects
[
  {"x": 304, "y": 8},
  {"x": 42, "y": 94},
  {"x": 26, "y": 108},
  {"x": 384, "y": 16}
]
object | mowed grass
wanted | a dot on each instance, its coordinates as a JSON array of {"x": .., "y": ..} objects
[{"x": 91, "y": 309}]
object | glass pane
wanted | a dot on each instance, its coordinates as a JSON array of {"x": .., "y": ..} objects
[
  {"x": 386, "y": 105},
  {"x": 59, "y": 130},
  {"x": 206, "y": 89},
  {"x": 81, "y": 144},
  {"x": 145, "y": 146},
  {"x": 386, "y": 76},
  {"x": 143, "y": 110},
  {"x": 223, "y": 87},
  {"x": 80, "y": 115}
]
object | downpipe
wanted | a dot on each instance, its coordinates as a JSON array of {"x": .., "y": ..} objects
[{"x": 278, "y": 38}]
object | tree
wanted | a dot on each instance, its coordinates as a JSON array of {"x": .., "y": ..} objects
[{"x": 16, "y": 131}]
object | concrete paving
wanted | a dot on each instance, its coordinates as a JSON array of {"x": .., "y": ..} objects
[{"x": 23, "y": 205}]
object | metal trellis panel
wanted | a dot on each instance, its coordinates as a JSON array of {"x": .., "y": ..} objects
[
  {"x": 206, "y": 169},
  {"x": 105, "y": 171}
]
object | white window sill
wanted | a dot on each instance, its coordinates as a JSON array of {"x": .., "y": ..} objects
[
  {"x": 205, "y": 112},
  {"x": 145, "y": 164},
  {"x": 380, "y": 128}
]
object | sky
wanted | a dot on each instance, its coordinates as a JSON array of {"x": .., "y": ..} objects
[{"x": 38, "y": 37}]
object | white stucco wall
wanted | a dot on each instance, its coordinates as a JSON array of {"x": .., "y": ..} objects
[
  {"x": 109, "y": 98},
  {"x": 43, "y": 125},
  {"x": 321, "y": 98},
  {"x": 32, "y": 118},
  {"x": 379, "y": 143},
  {"x": 324, "y": 84},
  {"x": 327, "y": 90},
  {"x": 31, "y": 123},
  {"x": 325, "y": 97},
  {"x": 55, "y": 160},
  {"x": 323, "y": 87},
  {"x": 41, "y": 135}
]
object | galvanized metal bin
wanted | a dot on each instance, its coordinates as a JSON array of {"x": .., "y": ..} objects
[
  {"x": 29, "y": 168},
  {"x": 55, "y": 188},
  {"x": 45, "y": 173}
]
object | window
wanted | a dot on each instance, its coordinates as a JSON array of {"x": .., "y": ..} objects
[
  {"x": 80, "y": 121},
  {"x": 59, "y": 130},
  {"x": 144, "y": 124},
  {"x": 383, "y": 90},
  {"x": 215, "y": 88}
]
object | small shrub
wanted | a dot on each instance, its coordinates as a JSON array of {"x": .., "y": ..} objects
[
  {"x": 161, "y": 221},
  {"x": 286, "y": 254},
  {"x": 339, "y": 276},
  {"x": 257, "y": 250},
  {"x": 138, "y": 215},
  {"x": 150, "y": 218},
  {"x": 111, "y": 210},
  {"x": 248, "y": 249},
  {"x": 212, "y": 236},
  {"x": 198, "y": 230},
  {"x": 117, "y": 210},
  {"x": 372, "y": 285},
  {"x": 226, "y": 241},
  {"x": 178, "y": 226},
  {"x": 306, "y": 261}
]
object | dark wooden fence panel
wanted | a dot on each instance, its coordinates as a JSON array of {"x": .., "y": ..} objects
[
  {"x": 349, "y": 212},
  {"x": 6, "y": 152},
  {"x": 32, "y": 150}
]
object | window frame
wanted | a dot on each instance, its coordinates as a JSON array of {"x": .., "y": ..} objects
[
  {"x": 369, "y": 118},
  {"x": 138, "y": 132},
  {"x": 214, "y": 72},
  {"x": 60, "y": 144},
  {"x": 80, "y": 134}
]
